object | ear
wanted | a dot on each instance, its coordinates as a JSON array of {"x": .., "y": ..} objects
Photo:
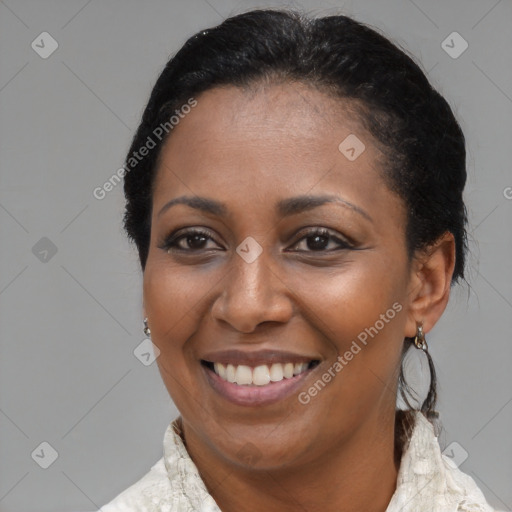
[{"x": 429, "y": 287}]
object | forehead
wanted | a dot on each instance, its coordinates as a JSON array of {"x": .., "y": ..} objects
[
  {"x": 273, "y": 117},
  {"x": 269, "y": 142}
]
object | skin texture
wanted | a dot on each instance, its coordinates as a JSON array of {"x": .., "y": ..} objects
[{"x": 250, "y": 149}]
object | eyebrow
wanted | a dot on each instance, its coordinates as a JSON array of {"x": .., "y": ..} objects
[{"x": 284, "y": 207}]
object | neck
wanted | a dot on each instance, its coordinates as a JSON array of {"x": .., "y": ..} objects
[{"x": 359, "y": 474}]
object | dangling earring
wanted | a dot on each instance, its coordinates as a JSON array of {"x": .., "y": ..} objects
[
  {"x": 147, "y": 330},
  {"x": 430, "y": 401},
  {"x": 419, "y": 340}
]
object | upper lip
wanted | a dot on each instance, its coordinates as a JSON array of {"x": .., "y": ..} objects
[{"x": 255, "y": 358}]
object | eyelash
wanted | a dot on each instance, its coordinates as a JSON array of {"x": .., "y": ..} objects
[{"x": 171, "y": 242}]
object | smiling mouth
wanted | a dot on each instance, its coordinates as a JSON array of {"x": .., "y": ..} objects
[{"x": 261, "y": 375}]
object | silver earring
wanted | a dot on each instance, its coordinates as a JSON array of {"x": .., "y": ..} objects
[
  {"x": 419, "y": 340},
  {"x": 147, "y": 330}
]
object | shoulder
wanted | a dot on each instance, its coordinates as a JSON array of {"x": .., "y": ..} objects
[
  {"x": 464, "y": 488},
  {"x": 430, "y": 480},
  {"x": 143, "y": 495},
  {"x": 172, "y": 484}
]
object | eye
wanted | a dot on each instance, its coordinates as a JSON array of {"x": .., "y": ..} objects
[
  {"x": 190, "y": 240},
  {"x": 196, "y": 240},
  {"x": 321, "y": 240}
]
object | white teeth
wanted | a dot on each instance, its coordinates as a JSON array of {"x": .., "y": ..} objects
[
  {"x": 230, "y": 373},
  {"x": 260, "y": 375},
  {"x": 288, "y": 370},
  {"x": 299, "y": 368},
  {"x": 220, "y": 369},
  {"x": 243, "y": 374},
  {"x": 276, "y": 372}
]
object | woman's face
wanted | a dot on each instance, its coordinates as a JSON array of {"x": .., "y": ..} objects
[{"x": 275, "y": 280}]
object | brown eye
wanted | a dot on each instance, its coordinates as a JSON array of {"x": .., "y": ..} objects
[
  {"x": 193, "y": 240},
  {"x": 321, "y": 240},
  {"x": 317, "y": 242}
]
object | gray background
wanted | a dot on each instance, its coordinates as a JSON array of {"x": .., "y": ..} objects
[{"x": 70, "y": 321}]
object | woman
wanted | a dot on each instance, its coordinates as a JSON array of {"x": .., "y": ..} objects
[{"x": 294, "y": 191}]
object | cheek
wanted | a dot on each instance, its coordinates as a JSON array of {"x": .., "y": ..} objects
[
  {"x": 171, "y": 299},
  {"x": 350, "y": 298},
  {"x": 172, "y": 294},
  {"x": 360, "y": 312},
  {"x": 176, "y": 304}
]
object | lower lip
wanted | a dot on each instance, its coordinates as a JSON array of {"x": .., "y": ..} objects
[{"x": 256, "y": 395}]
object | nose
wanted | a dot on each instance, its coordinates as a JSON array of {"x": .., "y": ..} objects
[{"x": 253, "y": 294}]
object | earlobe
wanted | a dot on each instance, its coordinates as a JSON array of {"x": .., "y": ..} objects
[{"x": 430, "y": 284}]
